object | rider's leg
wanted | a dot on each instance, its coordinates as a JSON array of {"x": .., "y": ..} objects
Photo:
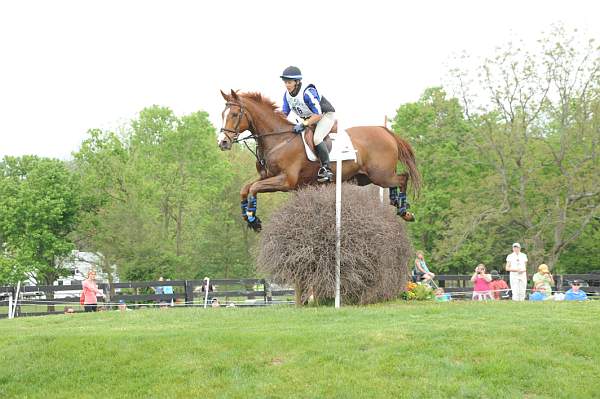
[{"x": 321, "y": 131}]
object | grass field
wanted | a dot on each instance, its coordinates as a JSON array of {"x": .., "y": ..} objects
[{"x": 412, "y": 350}]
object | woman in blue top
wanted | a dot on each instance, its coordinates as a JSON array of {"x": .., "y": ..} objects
[
  {"x": 421, "y": 270},
  {"x": 312, "y": 108}
]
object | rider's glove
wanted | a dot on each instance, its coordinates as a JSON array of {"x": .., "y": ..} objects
[{"x": 298, "y": 128}]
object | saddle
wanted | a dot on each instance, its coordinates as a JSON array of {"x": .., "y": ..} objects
[{"x": 309, "y": 133}]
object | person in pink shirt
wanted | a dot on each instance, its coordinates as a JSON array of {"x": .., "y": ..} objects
[
  {"x": 90, "y": 293},
  {"x": 481, "y": 284},
  {"x": 498, "y": 286}
]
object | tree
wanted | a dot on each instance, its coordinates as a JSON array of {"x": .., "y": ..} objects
[
  {"x": 39, "y": 205},
  {"x": 540, "y": 130},
  {"x": 450, "y": 165},
  {"x": 164, "y": 200}
]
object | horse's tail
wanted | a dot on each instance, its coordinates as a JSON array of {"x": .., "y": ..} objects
[{"x": 406, "y": 155}]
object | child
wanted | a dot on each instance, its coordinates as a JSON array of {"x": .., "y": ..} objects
[
  {"x": 498, "y": 286},
  {"x": 440, "y": 296},
  {"x": 481, "y": 284}
]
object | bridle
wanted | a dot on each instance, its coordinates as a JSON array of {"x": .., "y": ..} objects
[
  {"x": 240, "y": 116},
  {"x": 236, "y": 131}
]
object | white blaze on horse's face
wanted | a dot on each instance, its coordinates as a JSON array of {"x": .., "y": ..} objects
[
  {"x": 221, "y": 135},
  {"x": 224, "y": 141}
]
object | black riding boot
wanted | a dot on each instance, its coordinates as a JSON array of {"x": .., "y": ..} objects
[{"x": 325, "y": 174}]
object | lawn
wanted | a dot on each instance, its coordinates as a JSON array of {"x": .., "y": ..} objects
[{"x": 412, "y": 350}]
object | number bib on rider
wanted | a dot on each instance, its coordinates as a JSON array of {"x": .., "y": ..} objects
[{"x": 298, "y": 105}]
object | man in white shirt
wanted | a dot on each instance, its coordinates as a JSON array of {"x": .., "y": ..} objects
[{"x": 516, "y": 264}]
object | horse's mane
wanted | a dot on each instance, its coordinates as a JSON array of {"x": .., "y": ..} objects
[{"x": 264, "y": 101}]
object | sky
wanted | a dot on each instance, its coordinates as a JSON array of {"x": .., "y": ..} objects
[{"x": 70, "y": 66}]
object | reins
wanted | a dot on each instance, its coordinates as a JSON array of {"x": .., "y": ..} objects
[{"x": 260, "y": 160}]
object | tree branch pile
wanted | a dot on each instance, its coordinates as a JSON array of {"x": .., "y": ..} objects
[{"x": 298, "y": 245}]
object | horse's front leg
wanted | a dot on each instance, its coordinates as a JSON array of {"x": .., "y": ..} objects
[
  {"x": 244, "y": 199},
  {"x": 275, "y": 183}
]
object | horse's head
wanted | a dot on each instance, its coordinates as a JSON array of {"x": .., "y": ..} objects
[{"x": 235, "y": 120}]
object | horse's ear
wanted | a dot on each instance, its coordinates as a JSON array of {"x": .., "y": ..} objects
[
  {"x": 234, "y": 95},
  {"x": 225, "y": 96}
]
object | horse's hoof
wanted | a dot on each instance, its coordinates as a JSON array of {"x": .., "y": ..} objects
[
  {"x": 408, "y": 217},
  {"x": 255, "y": 225}
]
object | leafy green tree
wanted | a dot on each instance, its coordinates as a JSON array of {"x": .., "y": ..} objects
[
  {"x": 451, "y": 170},
  {"x": 539, "y": 129},
  {"x": 164, "y": 200},
  {"x": 39, "y": 205}
]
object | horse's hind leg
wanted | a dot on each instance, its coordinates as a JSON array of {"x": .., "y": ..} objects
[{"x": 397, "y": 184}]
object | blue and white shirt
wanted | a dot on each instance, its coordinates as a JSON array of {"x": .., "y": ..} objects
[
  {"x": 306, "y": 103},
  {"x": 575, "y": 296}
]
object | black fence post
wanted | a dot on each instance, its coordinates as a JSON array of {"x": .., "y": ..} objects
[
  {"x": 266, "y": 290},
  {"x": 189, "y": 292}
]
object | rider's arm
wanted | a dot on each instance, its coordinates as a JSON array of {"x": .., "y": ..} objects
[
  {"x": 286, "y": 107},
  {"x": 312, "y": 100}
]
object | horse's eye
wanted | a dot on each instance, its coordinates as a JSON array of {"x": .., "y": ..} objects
[{"x": 233, "y": 115}]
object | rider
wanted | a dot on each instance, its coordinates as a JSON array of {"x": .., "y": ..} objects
[{"x": 313, "y": 108}]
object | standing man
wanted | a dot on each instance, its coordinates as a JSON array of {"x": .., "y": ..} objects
[{"x": 516, "y": 264}]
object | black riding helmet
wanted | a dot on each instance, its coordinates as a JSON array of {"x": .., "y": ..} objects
[{"x": 291, "y": 73}]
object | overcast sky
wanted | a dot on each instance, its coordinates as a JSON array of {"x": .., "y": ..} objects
[{"x": 68, "y": 66}]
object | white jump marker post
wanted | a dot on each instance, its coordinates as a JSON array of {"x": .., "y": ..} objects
[
  {"x": 341, "y": 150},
  {"x": 206, "y": 292},
  {"x": 10, "y": 306},
  {"x": 338, "y": 228}
]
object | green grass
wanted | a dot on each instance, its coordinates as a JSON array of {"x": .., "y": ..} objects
[{"x": 447, "y": 350}]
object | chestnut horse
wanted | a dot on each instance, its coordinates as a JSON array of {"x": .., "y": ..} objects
[{"x": 283, "y": 165}]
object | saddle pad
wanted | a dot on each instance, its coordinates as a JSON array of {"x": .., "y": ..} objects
[{"x": 341, "y": 148}]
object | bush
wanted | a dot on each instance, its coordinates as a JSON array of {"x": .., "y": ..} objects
[{"x": 297, "y": 246}]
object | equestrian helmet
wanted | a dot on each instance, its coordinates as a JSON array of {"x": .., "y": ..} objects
[{"x": 291, "y": 73}]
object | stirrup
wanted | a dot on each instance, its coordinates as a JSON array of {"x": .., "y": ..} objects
[{"x": 324, "y": 175}]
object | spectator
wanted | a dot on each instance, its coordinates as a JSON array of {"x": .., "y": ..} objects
[
  {"x": 90, "y": 293},
  {"x": 158, "y": 290},
  {"x": 498, "y": 286},
  {"x": 122, "y": 305},
  {"x": 206, "y": 281},
  {"x": 168, "y": 290},
  {"x": 538, "y": 296},
  {"x": 516, "y": 264},
  {"x": 440, "y": 296},
  {"x": 215, "y": 303},
  {"x": 421, "y": 271},
  {"x": 481, "y": 284},
  {"x": 575, "y": 293},
  {"x": 543, "y": 281}
]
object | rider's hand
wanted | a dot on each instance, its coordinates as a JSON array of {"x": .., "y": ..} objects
[{"x": 298, "y": 128}]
